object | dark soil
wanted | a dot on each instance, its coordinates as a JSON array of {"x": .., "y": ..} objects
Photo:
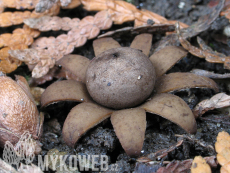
[{"x": 160, "y": 132}]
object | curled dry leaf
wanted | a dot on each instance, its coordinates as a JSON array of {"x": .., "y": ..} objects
[
  {"x": 210, "y": 74},
  {"x": 199, "y": 165},
  {"x": 205, "y": 51},
  {"x": 222, "y": 146},
  {"x": 177, "y": 81},
  {"x": 204, "y": 22},
  {"x": 158, "y": 28},
  {"x": 23, "y": 115},
  {"x": 201, "y": 25},
  {"x": 219, "y": 100}
]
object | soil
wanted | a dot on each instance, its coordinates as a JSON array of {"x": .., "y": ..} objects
[{"x": 160, "y": 132}]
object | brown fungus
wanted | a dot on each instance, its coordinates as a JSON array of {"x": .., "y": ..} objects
[
  {"x": 18, "y": 111},
  {"x": 129, "y": 124},
  {"x": 120, "y": 78}
]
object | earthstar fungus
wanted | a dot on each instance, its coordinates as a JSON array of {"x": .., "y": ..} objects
[
  {"x": 129, "y": 123},
  {"x": 18, "y": 111}
]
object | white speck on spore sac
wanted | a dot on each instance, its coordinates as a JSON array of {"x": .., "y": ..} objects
[
  {"x": 82, "y": 99},
  {"x": 139, "y": 77}
]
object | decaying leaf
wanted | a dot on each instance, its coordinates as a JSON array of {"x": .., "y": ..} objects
[
  {"x": 204, "y": 51},
  {"x": 201, "y": 25},
  {"x": 219, "y": 100},
  {"x": 222, "y": 146},
  {"x": 210, "y": 74},
  {"x": 199, "y": 165},
  {"x": 204, "y": 22},
  {"x": 122, "y": 11},
  {"x": 159, "y": 28}
]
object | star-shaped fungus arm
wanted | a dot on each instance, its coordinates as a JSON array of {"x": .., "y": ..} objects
[
  {"x": 129, "y": 126},
  {"x": 172, "y": 108},
  {"x": 82, "y": 118}
]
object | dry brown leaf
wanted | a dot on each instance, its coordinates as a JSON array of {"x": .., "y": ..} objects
[
  {"x": 204, "y": 51},
  {"x": 210, "y": 74},
  {"x": 122, "y": 11},
  {"x": 158, "y": 28},
  {"x": 219, "y": 100},
  {"x": 199, "y": 165},
  {"x": 222, "y": 146}
]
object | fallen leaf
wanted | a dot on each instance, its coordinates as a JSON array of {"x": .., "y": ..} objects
[
  {"x": 222, "y": 146},
  {"x": 210, "y": 74},
  {"x": 199, "y": 165},
  {"x": 219, "y": 100}
]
